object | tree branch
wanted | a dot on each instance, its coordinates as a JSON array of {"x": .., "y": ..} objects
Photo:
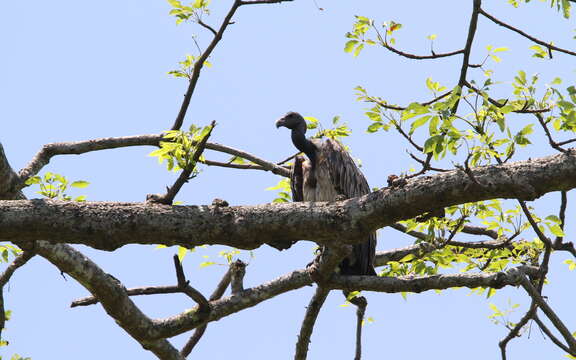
[
  {"x": 19, "y": 261},
  {"x": 551, "y": 141},
  {"x": 549, "y": 46},
  {"x": 535, "y": 295},
  {"x": 554, "y": 339},
  {"x": 108, "y": 226},
  {"x": 199, "y": 332},
  {"x": 421, "y": 57},
  {"x": 42, "y": 158},
  {"x": 468, "y": 47},
  {"x": 308, "y": 323},
  {"x": 202, "y": 59},
  {"x": 184, "y": 177},
  {"x": 250, "y": 297},
  {"x": 498, "y": 104}
]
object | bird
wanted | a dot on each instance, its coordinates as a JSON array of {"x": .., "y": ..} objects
[{"x": 329, "y": 174}]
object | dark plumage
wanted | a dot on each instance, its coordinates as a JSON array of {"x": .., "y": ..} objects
[{"x": 328, "y": 175}]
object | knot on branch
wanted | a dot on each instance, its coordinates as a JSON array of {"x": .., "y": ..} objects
[
  {"x": 395, "y": 181},
  {"x": 237, "y": 272},
  {"x": 220, "y": 203},
  {"x": 157, "y": 199},
  {"x": 322, "y": 267}
]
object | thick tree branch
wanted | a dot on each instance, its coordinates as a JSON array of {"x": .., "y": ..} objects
[
  {"x": 108, "y": 226},
  {"x": 111, "y": 294},
  {"x": 250, "y": 297}
]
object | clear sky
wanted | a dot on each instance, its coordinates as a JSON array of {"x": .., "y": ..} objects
[{"x": 79, "y": 70}]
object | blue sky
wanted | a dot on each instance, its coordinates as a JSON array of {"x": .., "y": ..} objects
[{"x": 79, "y": 70}]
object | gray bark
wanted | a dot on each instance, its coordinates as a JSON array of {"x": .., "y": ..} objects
[{"x": 109, "y": 226}]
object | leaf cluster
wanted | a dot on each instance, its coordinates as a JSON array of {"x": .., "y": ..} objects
[
  {"x": 179, "y": 148},
  {"x": 192, "y": 11},
  {"x": 54, "y": 186}
]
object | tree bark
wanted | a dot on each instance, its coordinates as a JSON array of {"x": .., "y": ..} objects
[{"x": 108, "y": 226}]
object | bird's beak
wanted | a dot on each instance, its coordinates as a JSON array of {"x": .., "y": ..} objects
[{"x": 280, "y": 122}]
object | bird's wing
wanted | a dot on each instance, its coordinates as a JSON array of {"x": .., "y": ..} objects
[
  {"x": 345, "y": 176},
  {"x": 297, "y": 179}
]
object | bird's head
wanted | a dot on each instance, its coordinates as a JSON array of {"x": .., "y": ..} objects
[{"x": 292, "y": 121}]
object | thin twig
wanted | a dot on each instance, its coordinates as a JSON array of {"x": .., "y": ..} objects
[
  {"x": 561, "y": 216},
  {"x": 42, "y": 158},
  {"x": 468, "y": 48},
  {"x": 204, "y": 56},
  {"x": 184, "y": 285},
  {"x": 184, "y": 177},
  {"x": 549, "y": 46},
  {"x": 554, "y": 339},
  {"x": 516, "y": 330},
  {"x": 535, "y": 295},
  {"x": 426, "y": 165},
  {"x": 206, "y": 26},
  {"x": 400, "y": 108},
  {"x": 421, "y": 57},
  {"x": 199, "y": 332},
  {"x": 551, "y": 141},
  {"x": 19, "y": 261},
  {"x": 499, "y": 104},
  {"x": 147, "y": 290},
  {"x": 200, "y": 63},
  {"x": 361, "y": 303},
  {"x": 308, "y": 323}
]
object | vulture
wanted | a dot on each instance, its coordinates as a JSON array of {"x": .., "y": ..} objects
[{"x": 329, "y": 174}]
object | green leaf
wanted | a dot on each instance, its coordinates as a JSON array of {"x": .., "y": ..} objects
[
  {"x": 312, "y": 122},
  {"x": 556, "y": 230},
  {"x": 419, "y": 122},
  {"x": 374, "y": 127},
  {"x": 207, "y": 263},
  {"x": 430, "y": 144},
  {"x": 358, "y": 49},
  {"x": 350, "y": 45},
  {"x": 80, "y": 184},
  {"x": 33, "y": 180},
  {"x": 181, "y": 253},
  {"x": 407, "y": 258},
  {"x": 571, "y": 264},
  {"x": 553, "y": 218},
  {"x": 80, "y": 198},
  {"x": 500, "y": 49},
  {"x": 175, "y": 3},
  {"x": 496, "y": 58}
]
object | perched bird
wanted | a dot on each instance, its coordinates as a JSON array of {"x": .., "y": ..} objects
[{"x": 329, "y": 174}]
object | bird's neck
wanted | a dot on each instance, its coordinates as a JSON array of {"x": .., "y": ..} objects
[{"x": 306, "y": 146}]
